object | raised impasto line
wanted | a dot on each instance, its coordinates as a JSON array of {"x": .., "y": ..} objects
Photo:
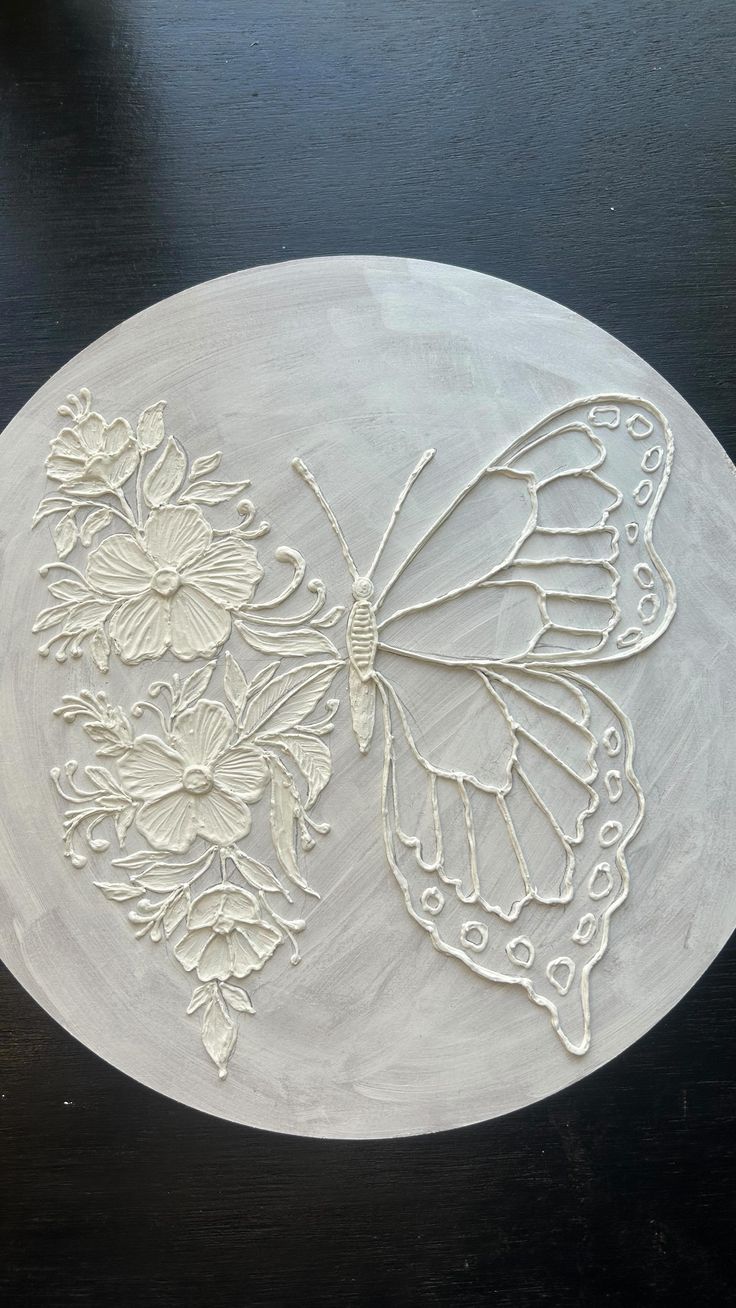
[
  {"x": 156, "y": 577},
  {"x": 189, "y": 781},
  {"x": 487, "y": 946}
]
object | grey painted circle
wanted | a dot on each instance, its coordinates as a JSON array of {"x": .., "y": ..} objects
[{"x": 357, "y": 364}]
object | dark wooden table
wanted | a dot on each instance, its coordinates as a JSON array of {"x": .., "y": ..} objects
[{"x": 586, "y": 150}]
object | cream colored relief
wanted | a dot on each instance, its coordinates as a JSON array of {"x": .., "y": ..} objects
[
  {"x": 509, "y": 792},
  {"x": 509, "y": 795},
  {"x": 185, "y": 775}
]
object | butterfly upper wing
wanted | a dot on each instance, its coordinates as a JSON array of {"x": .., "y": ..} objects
[
  {"x": 580, "y": 582},
  {"x": 509, "y": 790}
]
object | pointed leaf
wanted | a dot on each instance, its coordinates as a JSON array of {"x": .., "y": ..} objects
[
  {"x": 195, "y": 686},
  {"x": 263, "y": 677},
  {"x": 237, "y": 998},
  {"x": 100, "y": 649},
  {"x": 284, "y": 806},
  {"x": 286, "y": 641},
  {"x": 167, "y": 875},
  {"x": 160, "y": 879},
  {"x": 166, "y": 476},
  {"x": 206, "y": 463},
  {"x": 213, "y": 492},
  {"x": 200, "y": 996},
  {"x": 219, "y": 1034},
  {"x": 175, "y": 913},
  {"x": 65, "y": 535},
  {"x": 140, "y": 859},
  {"x": 150, "y": 431},
  {"x": 256, "y": 874},
  {"x": 288, "y": 699},
  {"x": 69, "y": 589},
  {"x": 104, "y": 780},
  {"x": 117, "y": 891},
  {"x": 93, "y": 523},
  {"x": 49, "y": 504},
  {"x": 235, "y": 683},
  {"x": 51, "y": 617},
  {"x": 312, "y": 757},
  {"x": 123, "y": 822}
]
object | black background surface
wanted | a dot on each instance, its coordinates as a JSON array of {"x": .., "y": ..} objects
[{"x": 585, "y": 150}]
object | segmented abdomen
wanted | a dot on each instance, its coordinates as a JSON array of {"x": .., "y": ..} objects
[{"x": 362, "y": 638}]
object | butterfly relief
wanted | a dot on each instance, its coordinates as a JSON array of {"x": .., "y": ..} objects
[{"x": 508, "y": 794}]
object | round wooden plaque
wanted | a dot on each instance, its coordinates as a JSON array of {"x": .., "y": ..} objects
[{"x": 368, "y": 726}]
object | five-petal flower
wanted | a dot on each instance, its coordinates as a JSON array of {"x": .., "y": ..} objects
[
  {"x": 226, "y": 936},
  {"x": 177, "y": 584},
  {"x": 92, "y": 457},
  {"x": 197, "y": 784}
]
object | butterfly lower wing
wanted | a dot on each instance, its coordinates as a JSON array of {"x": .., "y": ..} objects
[{"x": 519, "y": 878}]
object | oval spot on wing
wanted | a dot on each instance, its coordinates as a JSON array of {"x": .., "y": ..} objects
[
  {"x": 521, "y": 951},
  {"x": 639, "y": 426},
  {"x": 600, "y": 882},
  {"x": 630, "y": 638},
  {"x": 644, "y": 576},
  {"x": 585, "y": 929},
  {"x": 561, "y": 972},
  {"x": 648, "y": 608},
  {"x": 433, "y": 901},
  {"x": 609, "y": 833},
  {"x": 614, "y": 785},
  {"x": 652, "y": 459},
  {"x": 605, "y": 415},
  {"x": 474, "y": 935},
  {"x": 611, "y": 741}
]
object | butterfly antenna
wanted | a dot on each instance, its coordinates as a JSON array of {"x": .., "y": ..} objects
[
  {"x": 313, "y": 485},
  {"x": 425, "y": 459}
]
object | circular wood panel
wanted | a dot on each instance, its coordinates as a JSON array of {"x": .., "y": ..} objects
[{"x": 385, "y": 703}]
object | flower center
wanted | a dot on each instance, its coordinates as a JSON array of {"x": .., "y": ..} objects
[
  {"x": 222, "y": 928},
  {"x": 166, "y": 581},
  {"x": 197, "y": 780}
]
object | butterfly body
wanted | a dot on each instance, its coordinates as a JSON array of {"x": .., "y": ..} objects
[{"x": 362, "y": 643}]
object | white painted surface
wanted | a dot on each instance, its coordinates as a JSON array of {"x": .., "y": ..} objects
[{"x": 356, "y": 366}]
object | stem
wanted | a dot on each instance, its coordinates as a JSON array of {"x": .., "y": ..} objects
[
  {"x": 98, "y": 504},
  {"x": 139, "y": 488},
  {"x": 282, "y": 926},
  {"x": 127, "y": 512}
]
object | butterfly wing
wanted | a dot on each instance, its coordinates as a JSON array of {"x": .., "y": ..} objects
[
  {"x": 547, "y": 555},
  {"x": 518, "y": 875},
  {"x": 508, "y": 838}
]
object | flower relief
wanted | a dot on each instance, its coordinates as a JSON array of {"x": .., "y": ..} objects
[
  {"x": 153, "y": 575},
  {"x": 173, "y": 586}
]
